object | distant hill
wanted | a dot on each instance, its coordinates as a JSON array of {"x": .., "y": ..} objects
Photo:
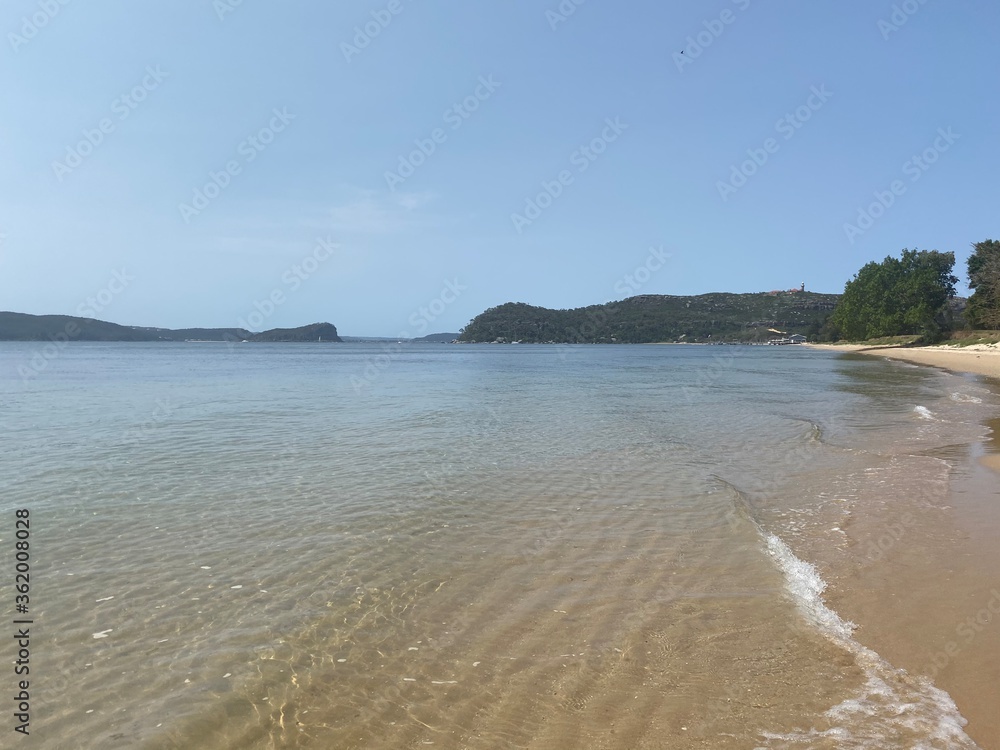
[
  {"x": 196, "y": 334},
  {"x": 23, "y": 327},
  {"x": 316, "y": 332},
  {"x": 435, "y": 338},
  {"x": 651, "y": 318}
]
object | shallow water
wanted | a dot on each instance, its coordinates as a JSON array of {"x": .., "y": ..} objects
[{"x": 268, "y": 546}]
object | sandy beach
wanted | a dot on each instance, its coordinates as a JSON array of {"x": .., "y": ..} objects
[
  {"x": 960, "y": 551},
  {"x": 979, "y": 359}
]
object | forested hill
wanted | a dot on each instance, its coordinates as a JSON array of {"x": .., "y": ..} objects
[
  {"x": 24, "y": 327},
  {"x": 658, "y": 318},
  {"x": 314, "y": 332}
]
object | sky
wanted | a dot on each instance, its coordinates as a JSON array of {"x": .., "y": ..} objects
[{"x": 396, "y": 167}]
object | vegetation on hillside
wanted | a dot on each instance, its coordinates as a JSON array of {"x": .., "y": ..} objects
[
  {"x": 904, "y": 300},
  {"x": 24, "y": 327},
  {"x": 984, "y": 279},
  {"x": 437, "y": 338},
  {"x": 899, "y": 296},
  {"x": 909, "y": 296},
  {"x": 705, "y": 318},
  {"x": 314, "y": 332}
]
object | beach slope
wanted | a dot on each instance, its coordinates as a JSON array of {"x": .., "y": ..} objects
[{"x": 980, "y": 359}]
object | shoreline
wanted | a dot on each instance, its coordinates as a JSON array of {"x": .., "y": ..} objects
[
  {"x": 956, "y": 550},
  {"x": 981, "y": 359},
  {"x": 977, "y": 360}
]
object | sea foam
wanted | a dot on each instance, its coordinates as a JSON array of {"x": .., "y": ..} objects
[{"x": 891, "y": 704}]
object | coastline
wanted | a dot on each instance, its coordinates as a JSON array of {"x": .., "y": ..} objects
[
  {"x": 948, "y": 632},
  {"x": 978, "y": 360}
]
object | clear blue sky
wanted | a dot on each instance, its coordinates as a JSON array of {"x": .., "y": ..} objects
[{"x": 211, "y": 75}]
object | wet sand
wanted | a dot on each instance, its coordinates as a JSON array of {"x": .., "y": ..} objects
[
  {"x": 979, "y": 359},
  {"x": 927, "y": 595}
]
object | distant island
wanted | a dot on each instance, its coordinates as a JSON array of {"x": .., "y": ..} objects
[
  {"x": 651, "y": 318},
  {"x": 24, "y": 327}
]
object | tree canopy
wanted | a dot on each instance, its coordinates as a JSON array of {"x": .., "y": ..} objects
[
  {"x": 984, "y": 279},
  {"x": 899, "y": 296}
]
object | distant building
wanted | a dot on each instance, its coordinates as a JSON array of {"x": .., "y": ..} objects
[
  {"x": 793, "y": 290},
  {"x": 795, "y": 338}
]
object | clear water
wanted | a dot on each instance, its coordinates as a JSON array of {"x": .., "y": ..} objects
[{"x": 271, "y": 546}]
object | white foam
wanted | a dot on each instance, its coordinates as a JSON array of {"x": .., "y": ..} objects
[
  {"x": 891, "y": 701},
  {"x": 965, "y": 398},
  {"x": 923, "y": 412},
  {"x": 806, "y": 586}
]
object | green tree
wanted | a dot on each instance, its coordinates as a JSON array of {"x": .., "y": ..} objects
[
  {"x": 984, "y": 279},
  {"x": 899, "y": 296}
]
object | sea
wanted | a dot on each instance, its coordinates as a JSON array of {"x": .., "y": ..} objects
[{"x": 493, "y": 546}]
